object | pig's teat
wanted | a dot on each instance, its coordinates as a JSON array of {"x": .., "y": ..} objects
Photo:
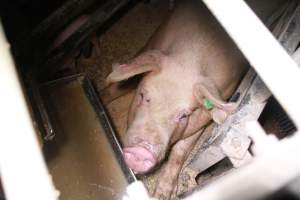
[{"x": 139, "y": 159}]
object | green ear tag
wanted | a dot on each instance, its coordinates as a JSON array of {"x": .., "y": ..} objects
[{"x": 208, "y": 105}]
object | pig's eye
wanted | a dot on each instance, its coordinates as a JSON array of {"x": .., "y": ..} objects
[
  {"x": 143, "y": 98},
  {"x": 183, "y": 116}
]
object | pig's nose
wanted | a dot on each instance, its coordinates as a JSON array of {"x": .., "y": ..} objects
[{"x": 139, "y": 159}]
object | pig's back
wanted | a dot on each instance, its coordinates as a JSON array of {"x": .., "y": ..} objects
[{"x": 193, "y": 37}]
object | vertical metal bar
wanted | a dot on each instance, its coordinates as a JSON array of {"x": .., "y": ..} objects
[{"x": 23, "y": 171}]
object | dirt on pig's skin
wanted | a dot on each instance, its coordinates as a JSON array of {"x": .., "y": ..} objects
[{"x": 150, "y": 182}]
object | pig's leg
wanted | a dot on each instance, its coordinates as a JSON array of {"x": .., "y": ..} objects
[{"x": 167, "y": 182}]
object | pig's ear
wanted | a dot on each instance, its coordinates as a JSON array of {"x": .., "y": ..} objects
[
  {"x": 146, "y": 62},
  {"x": 124, "y": 71},
  {"x": 209, "y": 97}
]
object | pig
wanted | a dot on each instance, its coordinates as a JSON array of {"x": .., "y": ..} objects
[{"x": 190, "y": 67}]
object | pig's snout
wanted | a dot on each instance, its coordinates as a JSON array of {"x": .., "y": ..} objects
[{"x": 139, "y": 159}]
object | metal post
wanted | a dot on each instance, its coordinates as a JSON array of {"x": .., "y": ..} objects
[{"x": 23, "y": 171}]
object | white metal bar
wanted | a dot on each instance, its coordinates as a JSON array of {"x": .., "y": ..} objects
[
  {"x": 265, "y": 54},
  {"x": 277, "y": 163},
  {"x": 23, "y": 171},
  {"x": 271, "y": 170},
  {"x": 136, "y": 191}
]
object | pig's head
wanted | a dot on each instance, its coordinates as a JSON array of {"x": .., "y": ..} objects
[{"x": 168, "y": 106}]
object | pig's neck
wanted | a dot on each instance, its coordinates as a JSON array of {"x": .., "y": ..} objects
[
  {"x": 182, "y": 68},
  {"x": 188, "y": 71}
]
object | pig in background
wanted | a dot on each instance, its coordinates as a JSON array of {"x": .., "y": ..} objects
[{"x": 190, "y": 68}]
